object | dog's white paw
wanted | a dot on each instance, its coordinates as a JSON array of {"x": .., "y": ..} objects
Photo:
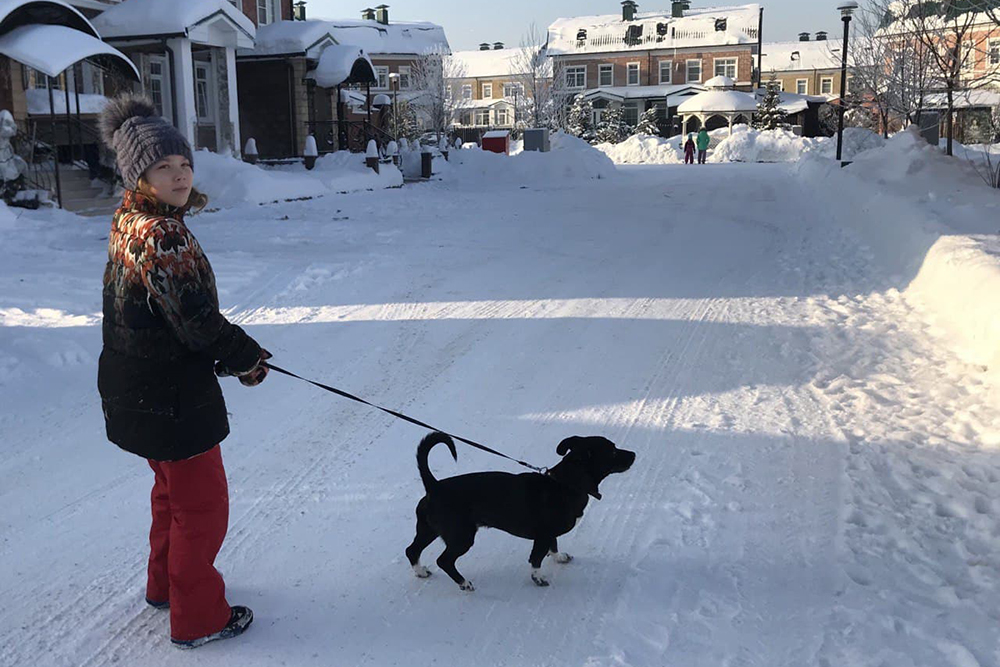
[
  {"x": 562, "y": 557},
  {"x": 421, "y": 571},
  {"x": 538, "y": 578},
  {"x": 467, "y": 586}
]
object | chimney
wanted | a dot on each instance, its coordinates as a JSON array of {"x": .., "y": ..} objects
[
  {"x": 368, "y": 14},
  {"x": 628, "y": 10},
  {"x": 678, "y": 7},
  {"x": 803, "y": 36},
  {"x": 497, "y": 46},
  {"x": 299, "y": 11},
  {"x": 821, "y": 36},
  {"x": 382, "y": 14},
  {"x": 484, "y": 46}
]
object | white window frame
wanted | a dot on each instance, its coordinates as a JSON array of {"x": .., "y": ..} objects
[
  {"x": 601, "y": 70},
  {"x": 405, "y": 77},
  {"x": 209, "y": 115},
  {"x": 269, "y": 13},
  {"x": 512, "y": 89},
  {"x": 826, "y": 81},
  {"x": 726, "y": 63},
  {"x": 382, "y": 77},
  {"x": 506, "y": 116},
  {"x": 575, "y": 71},
  {"x": 164, "y": 79},
  {"x": 631, "y": 104},
  {"x": 670, "y": 72},
  {"x": 799, "y": 83},
  {"x": 993, "y": 52},
  {"x": 467, "y": 91},
  {"x": 488, "y": 91},
  {"x": 633, "y": 67},
  {"x": 687, "y": 71},
  {"x": 478, "y": 115}
]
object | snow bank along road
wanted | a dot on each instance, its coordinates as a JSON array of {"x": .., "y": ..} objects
[{"x": 817, "y": 475}]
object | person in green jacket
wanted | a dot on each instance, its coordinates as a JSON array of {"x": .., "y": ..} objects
[{"x": 703, "y": 141}]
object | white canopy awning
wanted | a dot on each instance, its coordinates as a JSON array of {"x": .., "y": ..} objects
[
  {"x": 52, "y": 49},
  {"x": 16, "y": 13},
  {"x": 719, "y": 101},
  {"x": 341, "y": 63}
]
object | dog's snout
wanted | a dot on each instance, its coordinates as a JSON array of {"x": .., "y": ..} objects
[{"x": 626, "y": 459}]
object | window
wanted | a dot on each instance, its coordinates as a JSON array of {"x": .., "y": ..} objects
[
  {"x": 202, "y": 93},
  {"x": 487, "y": 91},
  {"x": 467, "y": 92},
  {"x": 726, "y": 67},
  {"x": 968, "y": 55},
  {"x": 693, "y": 71},
  {"x": 502, "y": 116},
  {"x": 666, "y": 71},
  {"x": 576, "y": 77},
  {"x": 465, "y": 118},
  {"x": 802, "y": 86},
  {"x": 405, "y": 80},
  {"x": 630, "y": 113},
  {"x": 511, "y": 90},
  {"x": 265, "y": 12},
  {"x": 158, "y": 82},
  {"x": 382, "y": 72},
  {"x": 605, "y": 75},
  {"x": 633, "y": 74},
  {"x": 995, "y": 51},
  {"x": 40, "y": 81},
  {"x": 483, "y": 117},
  {"x": 826, "y": 85}
]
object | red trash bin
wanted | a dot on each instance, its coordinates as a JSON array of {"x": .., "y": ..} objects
[{"x": 497, "y": 141}]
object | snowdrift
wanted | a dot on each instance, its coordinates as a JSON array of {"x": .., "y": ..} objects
[
  {"x": 645, "y": 149},
  {"x": 229, "y": 182},
  {"x": 933, "y": 221},
  {"x": 571, "y": 159}
]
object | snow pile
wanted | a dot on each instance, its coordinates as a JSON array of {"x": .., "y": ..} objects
[
  {"x": 571, "y": 159},
  {"x": 750, "y": 145},
  {"x": 8, "y": 219},
  {"x": 229, "y": 182},
  {"x": 932, "y": 220},
  {"x": 645, "y": 149}
]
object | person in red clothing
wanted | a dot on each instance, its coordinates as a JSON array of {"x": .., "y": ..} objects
[
  {"x": 164, "y": 343},
  {"x": 689, "y": 149}
]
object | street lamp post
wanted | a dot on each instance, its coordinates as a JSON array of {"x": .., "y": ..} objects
[
  {"x": 394, "y": 84},
  {"x": 847, "y": 9}
]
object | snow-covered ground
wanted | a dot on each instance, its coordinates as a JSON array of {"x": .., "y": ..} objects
[{"x": 817, "y": 474}]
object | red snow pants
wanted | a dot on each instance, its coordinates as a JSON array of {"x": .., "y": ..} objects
[{"x": 190, "y": 502}]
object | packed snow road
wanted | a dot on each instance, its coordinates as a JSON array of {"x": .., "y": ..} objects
[{"x": 817, "y": 473}]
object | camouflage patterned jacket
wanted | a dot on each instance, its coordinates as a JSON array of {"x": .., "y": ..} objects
[{"x": 163, "y": 333}]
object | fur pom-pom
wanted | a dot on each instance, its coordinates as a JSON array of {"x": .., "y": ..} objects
[{"x": 119, "y": 110}]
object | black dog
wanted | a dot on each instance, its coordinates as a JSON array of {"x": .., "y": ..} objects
[{"x": 533, "y": 506}]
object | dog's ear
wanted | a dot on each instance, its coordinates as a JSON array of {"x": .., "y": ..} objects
[{"x": 568, "y": 444}]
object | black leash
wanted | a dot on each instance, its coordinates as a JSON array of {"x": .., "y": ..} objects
[{"x": 400, "y": 415}]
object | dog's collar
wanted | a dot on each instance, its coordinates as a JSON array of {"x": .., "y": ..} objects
[{"x": 596, "y": 495}]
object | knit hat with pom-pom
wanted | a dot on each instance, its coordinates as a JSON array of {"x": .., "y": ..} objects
[{"x": 139, "y": 137}]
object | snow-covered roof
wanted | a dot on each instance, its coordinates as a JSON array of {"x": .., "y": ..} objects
[
  {"x": 715, "y": 26},
  {"x": 493, "y": 63},
  {"x": 15, "y": 13},
  {"x": 483, "y": 104},
  {"x": 797, "y": 56},
  {"x": 964, "y": 99},
  {"x": 720, "y": 82},
  {"x": 51, "y": 49},
  {"x": 340, "y": 62},
  {"x": 415, "y": 38},
  {"x": 718, "y": 101},
  {"x": 642, "y": 92},
  {"x": 141, "y": 18},
  {"x": 496, "y": 134},
  {"x": 793, "y": 103},
  {"x": 291, "y": 37}
]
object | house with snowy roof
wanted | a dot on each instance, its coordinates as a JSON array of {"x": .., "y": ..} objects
[
  {"x": 806, "y": 67},
  {"x": 334, "y": 79},
  {"x": 657, "y": 59},
  {"x": 488, "y": 86}
]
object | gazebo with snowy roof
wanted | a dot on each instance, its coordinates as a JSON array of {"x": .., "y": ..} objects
[{"x": 719, "y": 106}]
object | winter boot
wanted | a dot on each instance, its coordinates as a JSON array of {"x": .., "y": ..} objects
[
  {"x": 158, "y": 605},
  {"x": 239, "y": 621}
]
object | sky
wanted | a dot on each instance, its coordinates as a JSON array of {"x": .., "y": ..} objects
[{"x": 469, "y": 22}]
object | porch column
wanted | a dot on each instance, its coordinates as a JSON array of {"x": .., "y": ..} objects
[
  {"x": 234, "y": 101},
  {"x": 731, "y": 124},
  {"x": 183, "y": 77}
]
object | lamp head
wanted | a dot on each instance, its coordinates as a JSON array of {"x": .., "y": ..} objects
[{"x": 847, "y": 8}]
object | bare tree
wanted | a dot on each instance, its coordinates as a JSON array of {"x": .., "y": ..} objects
[
  {"x": 432, "y": 75},
  {"x": 531, "y": 70}
]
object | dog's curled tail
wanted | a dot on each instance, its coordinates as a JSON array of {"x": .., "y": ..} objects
[{"x": 424, "y": 449}]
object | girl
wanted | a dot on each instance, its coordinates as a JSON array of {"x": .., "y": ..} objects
[{"x": 163, "y": 334}]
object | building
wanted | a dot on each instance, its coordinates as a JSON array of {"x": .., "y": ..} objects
[
  {"x": 805, "y": 67},
  {"x": 488, "y": 87},
  {"x": 653, "y": 59}
]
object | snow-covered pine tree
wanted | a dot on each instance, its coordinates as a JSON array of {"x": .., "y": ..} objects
[
  {"x": 647, "y": 123},
  {"x": 612, "y": 128},
  {"x": 769, "y": 116},
  {"x": 409, "y": 126},
  {"x": 579, "y": 120}
]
